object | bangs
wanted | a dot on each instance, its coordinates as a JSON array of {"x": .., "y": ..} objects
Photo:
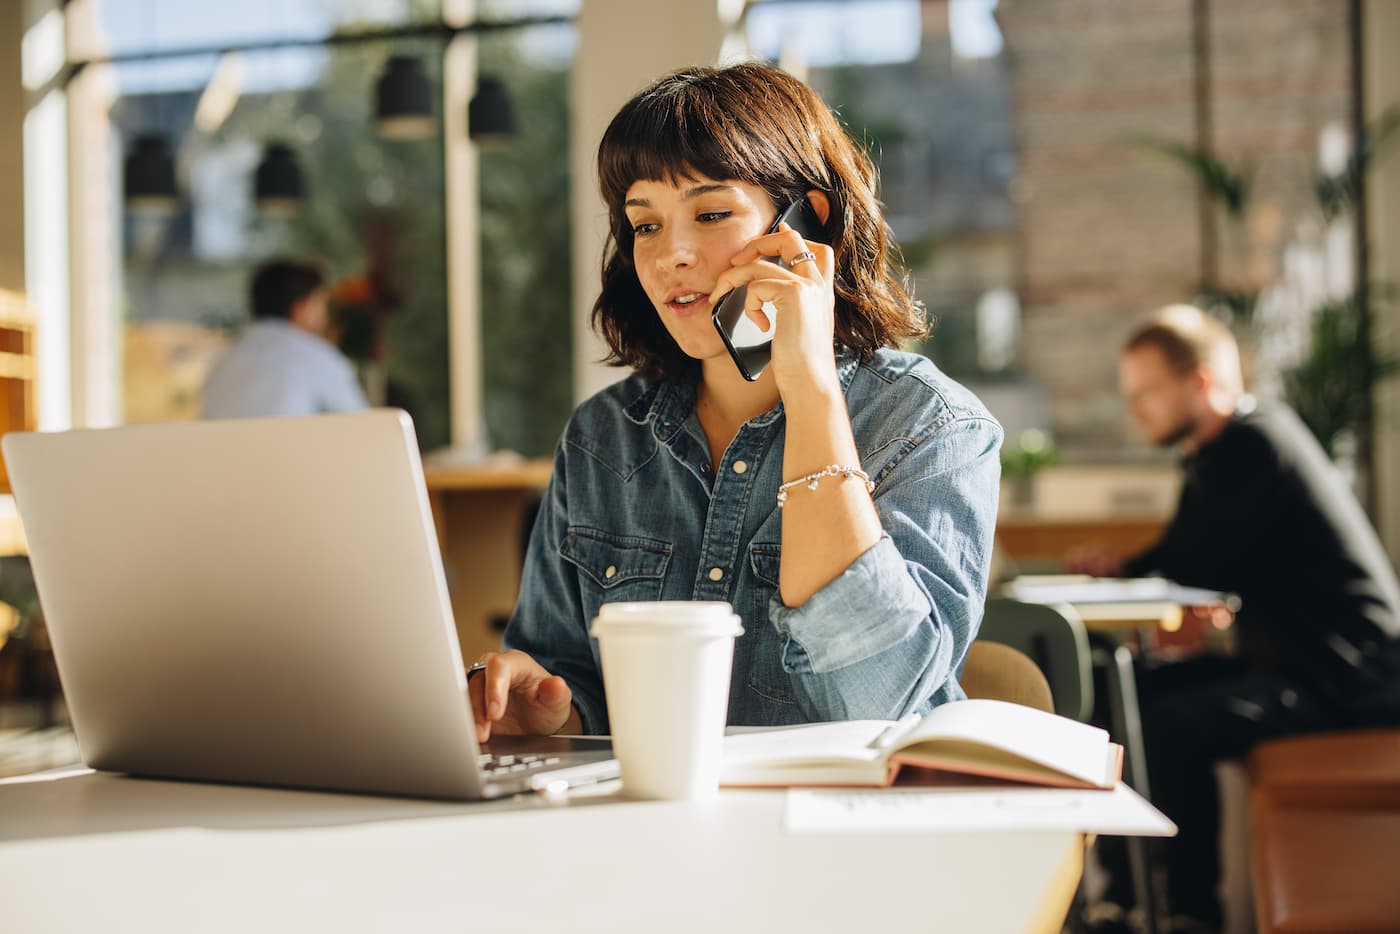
[{"x": 681, "y": 129}]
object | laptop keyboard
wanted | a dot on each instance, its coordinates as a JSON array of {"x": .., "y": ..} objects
[{"x": 495, "y": 766}]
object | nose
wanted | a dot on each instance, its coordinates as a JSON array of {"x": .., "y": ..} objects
[{"x": 676, "y": 252}]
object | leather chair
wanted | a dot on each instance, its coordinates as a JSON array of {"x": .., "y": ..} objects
[{"x": 1325, "y": 816}]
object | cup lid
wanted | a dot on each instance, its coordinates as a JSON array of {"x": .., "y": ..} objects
[{"x": 676, "y": 617}]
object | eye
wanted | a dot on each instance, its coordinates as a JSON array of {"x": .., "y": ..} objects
[
  {"x": 709, "y": 217},
  {"x": 641, "y": 230}
]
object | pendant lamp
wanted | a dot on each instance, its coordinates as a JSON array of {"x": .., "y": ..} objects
[
  {"x": 148, "y": 177},
  {"x": 491, "y": 116},
  {"x": 277, "y": 186},
  {"x": 403, "y": 101}
]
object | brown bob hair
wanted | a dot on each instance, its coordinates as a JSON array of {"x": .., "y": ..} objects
[{"x": 757, "y": 124}]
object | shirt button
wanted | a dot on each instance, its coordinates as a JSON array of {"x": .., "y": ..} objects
[
  {"x": 716, "y": 574},
  {"x": 740, "y": 466},
  {"x": 704, "y": 468},
  {"x": 611, "y": 572}
]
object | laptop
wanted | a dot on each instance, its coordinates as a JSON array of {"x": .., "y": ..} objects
[{"x": 262, "y": 601}]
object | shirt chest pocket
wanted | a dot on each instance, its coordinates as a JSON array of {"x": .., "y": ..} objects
[{"x": 616, "y": 568}]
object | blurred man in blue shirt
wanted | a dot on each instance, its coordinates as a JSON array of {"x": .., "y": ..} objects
[{"x": 282, "y": 363}]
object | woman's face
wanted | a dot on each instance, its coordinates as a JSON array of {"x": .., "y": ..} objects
[{"x": 684, "y": 236}]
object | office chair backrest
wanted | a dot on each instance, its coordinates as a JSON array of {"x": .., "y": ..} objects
[
  {"x": 1055, "y": 639},
  {"x": 999, "y": 672}
]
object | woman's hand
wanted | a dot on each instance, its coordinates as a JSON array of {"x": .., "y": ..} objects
[
  {"x": 516, "y": 695},
  {"x": 804, "y": 300}
]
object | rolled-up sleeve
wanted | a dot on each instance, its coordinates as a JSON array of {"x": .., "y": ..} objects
[{"x": 887, "y": 636}]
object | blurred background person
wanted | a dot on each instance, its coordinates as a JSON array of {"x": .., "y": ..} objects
[
  {"x": 282, "y": 363},
  {"x": 1263, "y": 514}
]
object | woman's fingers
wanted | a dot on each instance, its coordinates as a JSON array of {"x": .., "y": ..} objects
[
  {"x": 787, "y": 244},
  {"x": 759, "y": 316},
  {"x": 498, "y": 677},
  {"x": 773, "y": 280},
  {"x": 552, "y": 696},
  {"x": 515, "y": 694},
  {"x": 766, "y": 283},
  {"x": 489, "y": 689},
  {"x": 478, "y": 693}
]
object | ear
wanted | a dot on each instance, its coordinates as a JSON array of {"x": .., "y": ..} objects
[
  {"x": 1203, "y": 379},
  {"x": 821, "y": 204},
  {"x": 297, "y": 313}
]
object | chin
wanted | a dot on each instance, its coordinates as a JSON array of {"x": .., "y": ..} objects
[
  {"x": 1168, "y": 439},
  {"x": 699, "y": 346}
]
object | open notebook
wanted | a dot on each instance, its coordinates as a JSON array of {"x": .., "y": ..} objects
[{"x": 960, "y": 741}]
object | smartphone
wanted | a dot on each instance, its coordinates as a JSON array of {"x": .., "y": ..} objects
[{"x": 750, "y": 346}]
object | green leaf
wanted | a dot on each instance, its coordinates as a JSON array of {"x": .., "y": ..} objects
[
  {"x": 1223, "y": 183},
  {"x": 1330, "y": 388},
  {"x": 1339, "y": 193}
]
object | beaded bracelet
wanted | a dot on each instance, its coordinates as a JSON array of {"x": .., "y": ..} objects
[{"x": 830, "y": 470}]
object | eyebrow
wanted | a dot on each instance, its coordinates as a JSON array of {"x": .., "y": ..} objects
[{"x": 689, "y": 194}]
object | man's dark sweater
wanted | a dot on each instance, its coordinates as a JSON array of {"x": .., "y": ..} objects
[{"x": 1265, "y": 515}]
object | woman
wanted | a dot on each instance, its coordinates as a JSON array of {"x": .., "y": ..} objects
[{"x": 843, "y": 502}]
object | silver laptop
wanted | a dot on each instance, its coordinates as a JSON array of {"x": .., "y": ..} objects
[{"x": 262, "y": 601}]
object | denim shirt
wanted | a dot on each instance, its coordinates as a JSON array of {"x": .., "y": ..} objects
[{"x": 636, "y": 511}]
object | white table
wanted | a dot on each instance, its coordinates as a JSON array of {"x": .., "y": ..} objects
[{"x": 96, "y": 852}]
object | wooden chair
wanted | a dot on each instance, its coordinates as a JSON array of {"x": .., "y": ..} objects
[
  {"x": 999, "y": 672},
  {"x": 1055, "y": 640}
]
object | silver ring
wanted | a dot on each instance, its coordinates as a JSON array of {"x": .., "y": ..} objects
[
  {"x": 806, "y": 256},
  {"x": 476, "y": 667}
]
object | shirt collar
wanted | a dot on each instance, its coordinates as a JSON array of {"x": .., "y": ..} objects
[{"x": 667, "y": 404}]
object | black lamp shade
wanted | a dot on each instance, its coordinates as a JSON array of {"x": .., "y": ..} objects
[
  {"x": 278, "y": 185},
  {"x": 491, "y": 116},
  {"x": 148, "y": 176},
  {"x": 403, "y": 100}
]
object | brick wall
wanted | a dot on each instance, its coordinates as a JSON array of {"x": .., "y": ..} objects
[{"x": 1107, "y": 231}]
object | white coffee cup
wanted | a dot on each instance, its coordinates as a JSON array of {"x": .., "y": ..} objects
[{"x": 666, "y": 674}]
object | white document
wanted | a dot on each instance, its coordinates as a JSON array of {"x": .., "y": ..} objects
[
  {"x": 1120, "y": 812},
  {"x": 1070, "y": 588}
]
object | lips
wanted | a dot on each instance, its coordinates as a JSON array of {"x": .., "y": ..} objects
[{"x": 682, "y": 301}]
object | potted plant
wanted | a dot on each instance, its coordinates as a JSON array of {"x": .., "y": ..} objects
[{"x": 1021, "y": 459}]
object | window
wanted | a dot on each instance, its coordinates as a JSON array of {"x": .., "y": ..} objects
[{"x": 373, "y": 213}]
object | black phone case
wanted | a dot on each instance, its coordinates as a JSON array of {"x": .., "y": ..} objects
[{"x": 751, "y": 357}]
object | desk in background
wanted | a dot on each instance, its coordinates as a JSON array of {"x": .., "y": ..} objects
[
  {"x": 1043, "y": 540},
  {"x": 99, "y": 852},
  {"x": 479, "y": 514},
  {"x": 1121, "y": 607}
]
